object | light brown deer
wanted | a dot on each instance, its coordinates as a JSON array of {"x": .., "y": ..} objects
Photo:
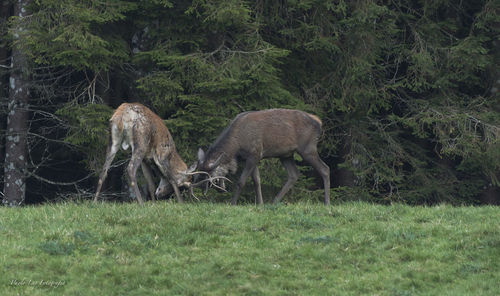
[
  {"x": 252, "y": 136},
  {"x": 140, "y": 128}
]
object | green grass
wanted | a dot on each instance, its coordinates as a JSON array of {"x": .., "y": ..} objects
[{"x": 216, "y": 249}]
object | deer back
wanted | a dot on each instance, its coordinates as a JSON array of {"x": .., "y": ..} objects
[
  {"x": 142, "y": 129},
  {"x": 268, "y": 133}
]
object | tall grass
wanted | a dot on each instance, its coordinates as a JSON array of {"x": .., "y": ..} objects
[{"x": 215, "y": 249}]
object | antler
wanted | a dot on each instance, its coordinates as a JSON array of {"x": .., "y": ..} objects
[
  {"x": 197, "y": 172},
  {"x": 191, "y": 192},
  {"x": 211, "y": 180}
]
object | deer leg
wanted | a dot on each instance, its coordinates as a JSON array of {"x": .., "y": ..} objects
[
  {"x": 148, "y": 175},
  {"x": 249, "y": 168},
  {"x": 166, "y": 170},
  {"x": 133, "y": 165},
  {"x": 205, "y": 190},
  {"x": 293, "y": 176},
  {"x": 322, "y": 168},
  {"x": 256, "y": 181},
  {"x": 110, "y": 155},
  {"x": 177, "y": 192}
]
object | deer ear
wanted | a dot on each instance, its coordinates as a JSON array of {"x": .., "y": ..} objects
[{"x": 201, "y": 155}]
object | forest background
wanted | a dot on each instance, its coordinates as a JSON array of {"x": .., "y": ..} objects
[{"x": 408, "y": 90}]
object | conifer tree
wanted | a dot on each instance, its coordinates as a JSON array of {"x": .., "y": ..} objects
[{"x": 407, "y": 90}]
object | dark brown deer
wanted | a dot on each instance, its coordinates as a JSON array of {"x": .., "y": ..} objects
[
  {"x": 137, "y": 126},
  {"x": 252, "y": 136}
]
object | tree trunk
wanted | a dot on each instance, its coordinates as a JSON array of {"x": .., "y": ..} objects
[
  {"x": 5, "y": 13},
  {"x": 17, "y": 122}
]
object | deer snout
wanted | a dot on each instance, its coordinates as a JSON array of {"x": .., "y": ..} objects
[
  {"x": 163, "y": 189},
  {"x": 197, "y": 178}
]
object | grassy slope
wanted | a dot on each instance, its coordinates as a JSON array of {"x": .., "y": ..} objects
[{"x": 215, "y": 249}]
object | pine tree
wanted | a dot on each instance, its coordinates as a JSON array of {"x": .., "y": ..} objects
[{"x": 407, "y": 90}]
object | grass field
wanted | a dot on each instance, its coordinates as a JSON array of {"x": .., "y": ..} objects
[{"x": 165, "y": 248}]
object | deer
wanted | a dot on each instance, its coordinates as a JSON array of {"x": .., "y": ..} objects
[
  {"x": 272, "y": 133},
  {"x": 136, "y": 126}
]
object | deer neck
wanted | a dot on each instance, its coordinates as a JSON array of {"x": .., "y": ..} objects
[
  {"x": 177, "y": 164},
  {"x": 228, "y": 161}
]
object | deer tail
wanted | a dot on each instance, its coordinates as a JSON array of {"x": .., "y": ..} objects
[
  {"x": 117, "y": 128},
  {"x": 317, "y": 121},
  {"x": 316, "y": 118}
]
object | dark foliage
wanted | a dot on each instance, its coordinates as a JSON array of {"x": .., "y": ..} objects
[{"x": 408, "y": 90}]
